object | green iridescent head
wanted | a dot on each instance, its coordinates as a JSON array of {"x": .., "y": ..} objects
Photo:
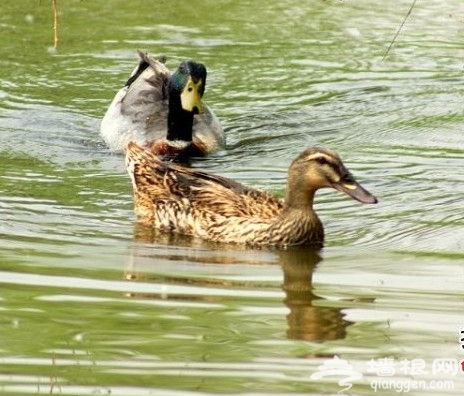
[{"x": 188, "y": 83}]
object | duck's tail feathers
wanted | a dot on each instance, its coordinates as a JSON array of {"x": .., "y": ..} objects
[
  {"x": 136, "y": 159},
  {"x": 146, "y": 60}
]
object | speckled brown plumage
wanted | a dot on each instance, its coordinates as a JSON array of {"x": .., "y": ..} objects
[{"x": 170, "y": 197}]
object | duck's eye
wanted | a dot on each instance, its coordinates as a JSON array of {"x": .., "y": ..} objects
[
  {"x": 190, "y": 89},
  {"x": 321, "y": 160}
]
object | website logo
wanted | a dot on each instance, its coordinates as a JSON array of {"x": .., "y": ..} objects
[{"x": 338, "y": 367}]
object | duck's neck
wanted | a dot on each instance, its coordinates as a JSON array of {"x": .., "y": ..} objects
[
  {"x": 297, "y": 196},
  {"x": 298, "y": 216},
  {"x": 180, "y": 122}
]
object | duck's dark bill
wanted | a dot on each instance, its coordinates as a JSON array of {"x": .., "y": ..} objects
[{"x": 356, "y": 191}]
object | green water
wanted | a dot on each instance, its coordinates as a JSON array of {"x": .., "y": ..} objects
[{"x": 91, "y": 303}]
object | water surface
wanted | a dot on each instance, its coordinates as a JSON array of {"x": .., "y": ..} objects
[{"x": 92, "y": 303}]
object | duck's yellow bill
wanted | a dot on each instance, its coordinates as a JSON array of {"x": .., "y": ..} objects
[
  {"x": 191, "y": 97},
  {"x": 350, "y": 186},
  {"x": 355, "y": 191}
]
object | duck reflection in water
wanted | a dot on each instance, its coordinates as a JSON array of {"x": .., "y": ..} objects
[{"x": 306, "y": 320}]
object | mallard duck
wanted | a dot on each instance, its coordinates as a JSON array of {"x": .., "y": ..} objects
[
  {"x": 163, "y": 111},
  {"x": 174, "y": 198}
]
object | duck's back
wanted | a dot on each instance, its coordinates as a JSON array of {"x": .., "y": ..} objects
[{"x": 139, "y": 110}]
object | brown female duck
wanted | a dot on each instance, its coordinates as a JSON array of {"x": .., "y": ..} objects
[
  {"x": 174, "y": 198},
  {"x": 162, "y": 111}
]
